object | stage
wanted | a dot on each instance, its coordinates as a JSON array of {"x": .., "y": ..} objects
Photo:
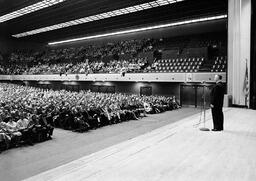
[
  {"x": 178, "y": 151},
  {"x": 67, "y": 146}
]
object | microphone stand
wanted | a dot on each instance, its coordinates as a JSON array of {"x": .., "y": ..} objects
[{"x": 204, "y": 111}]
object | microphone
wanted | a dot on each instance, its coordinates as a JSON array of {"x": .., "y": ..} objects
[{"x": 204, "y": 111}]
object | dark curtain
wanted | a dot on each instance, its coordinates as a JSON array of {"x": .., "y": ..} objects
[{"x": 253, "y": 58}]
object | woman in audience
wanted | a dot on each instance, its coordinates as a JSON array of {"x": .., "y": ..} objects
[
  {"x": 11, "y": 129},
  {"x": 5, "y": 138},
  {"x": 22, "y": 126}
]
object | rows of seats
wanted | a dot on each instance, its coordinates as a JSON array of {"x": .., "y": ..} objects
[
  {"x": 55, "y": 60},
  {"x": 179, "y": 65},
  {"x": 28, "y": 114},
  {"x": 18, "y": 130},
  {"x": 86, "y": 59},
  {"x": 220, "y": 64}
]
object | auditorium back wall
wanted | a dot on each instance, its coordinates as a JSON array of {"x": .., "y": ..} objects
[
  {"x": 8, "y": 45},
  {"x": 218, "y": 26}
]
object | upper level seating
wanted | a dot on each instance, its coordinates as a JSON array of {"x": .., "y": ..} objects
[
  {"x": 131, "y": 65},
  {"x": 76, "y": 60},
  {"x": 178, "y": 65},
  {"x": 86, "y": 67},
  {"x": 192, "y": 41},
  {"x": 178, "y": 54},
  {"x": 93, "y": 52},
  {"x": 220, "y": 64}
]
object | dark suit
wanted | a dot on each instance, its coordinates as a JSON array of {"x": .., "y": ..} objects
[{"x": 217, "y": 96}]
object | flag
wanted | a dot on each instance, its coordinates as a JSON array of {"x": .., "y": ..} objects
[
  {"x": 246, "y": 84},
  {"x": 246, "y": 81}
]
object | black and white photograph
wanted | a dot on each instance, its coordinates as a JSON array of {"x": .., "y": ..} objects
[{"x": 127, "y": 90}]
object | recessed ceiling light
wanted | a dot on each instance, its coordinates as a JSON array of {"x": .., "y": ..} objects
[
  {"x": 142, "y": 29},
  {"x": 96, "y": 17},
  {"x": 29, "y": 9}
]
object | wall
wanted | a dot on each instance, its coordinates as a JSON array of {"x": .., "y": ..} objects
[
  {"x": 165, "y": 89},
  {"x": 129, "y": 77},
  {"x": 8, "y": 45},
  {"x": 197, "y": 28},
  {"x": 5, "y": 45}
]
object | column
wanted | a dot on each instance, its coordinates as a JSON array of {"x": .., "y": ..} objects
[{"x": 239, "y": 34}]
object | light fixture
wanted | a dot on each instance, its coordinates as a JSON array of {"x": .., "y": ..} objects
[
  {"x": 29, "y": 9},
  {"x": 141, "y": 29},
  {"x": 96, "y": 17}
]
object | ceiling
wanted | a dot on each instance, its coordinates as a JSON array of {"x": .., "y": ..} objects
[{"x": 74, "y": 9}]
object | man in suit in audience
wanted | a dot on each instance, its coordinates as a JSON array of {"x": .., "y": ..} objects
[{"x": 217, "y": 96}]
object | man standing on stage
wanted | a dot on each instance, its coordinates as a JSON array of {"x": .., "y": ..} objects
[{"x": 217, "y": 96}]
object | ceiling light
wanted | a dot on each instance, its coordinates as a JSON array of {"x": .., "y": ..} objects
[
  {"x": 29, "y": 9},
  {"x": 142, "y": 29},
  {"x": 105, "y": 15}
]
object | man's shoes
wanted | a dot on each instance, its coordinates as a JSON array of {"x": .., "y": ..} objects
[{"x": 216, "y": 130}]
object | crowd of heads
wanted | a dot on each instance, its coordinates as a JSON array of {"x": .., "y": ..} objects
[
  {"x": 29, "y": 113},
  {"x": 85, "y": 59}
]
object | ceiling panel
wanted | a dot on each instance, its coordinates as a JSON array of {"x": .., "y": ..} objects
[
  {"x": 74, "y": 9},
  {"x": 8, "y": 6}
]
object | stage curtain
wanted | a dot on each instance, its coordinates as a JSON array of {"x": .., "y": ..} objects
[{"x": 239, "y": 32}]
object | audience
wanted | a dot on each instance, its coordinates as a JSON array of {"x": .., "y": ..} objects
[
  {"x": 29, "y": 114},
  {"x": 115, "y": 57},
  {"x": 76, "y": 60}
]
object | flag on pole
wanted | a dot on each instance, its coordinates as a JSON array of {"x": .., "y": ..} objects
[{"x": 246, "y": 84}]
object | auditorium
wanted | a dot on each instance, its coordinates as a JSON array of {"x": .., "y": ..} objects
[{"x": 131, "y": 90}]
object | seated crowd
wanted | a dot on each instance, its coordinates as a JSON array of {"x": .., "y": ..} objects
[
  {"x": 115, "y": 57},
  {"x": 28, "y": 114},
  {"x": 87, "y": 67},
  {"x": 75, "y": 60}
]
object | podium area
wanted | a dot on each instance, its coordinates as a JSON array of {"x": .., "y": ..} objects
[{"x": 177, "y": 151}]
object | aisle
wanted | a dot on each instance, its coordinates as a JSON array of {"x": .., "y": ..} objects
[
  {"x": 67, "y": 146},
  {"x": 178, "y": 151}
]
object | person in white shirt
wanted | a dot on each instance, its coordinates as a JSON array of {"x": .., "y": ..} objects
[
  {"x": 22, "y": 126},
  {"x": 10, "y": 126}
]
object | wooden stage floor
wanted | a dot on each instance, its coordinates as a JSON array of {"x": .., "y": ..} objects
[
  {"x": 178, "y": 151},
  {"x": 67, "y": 146}
]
